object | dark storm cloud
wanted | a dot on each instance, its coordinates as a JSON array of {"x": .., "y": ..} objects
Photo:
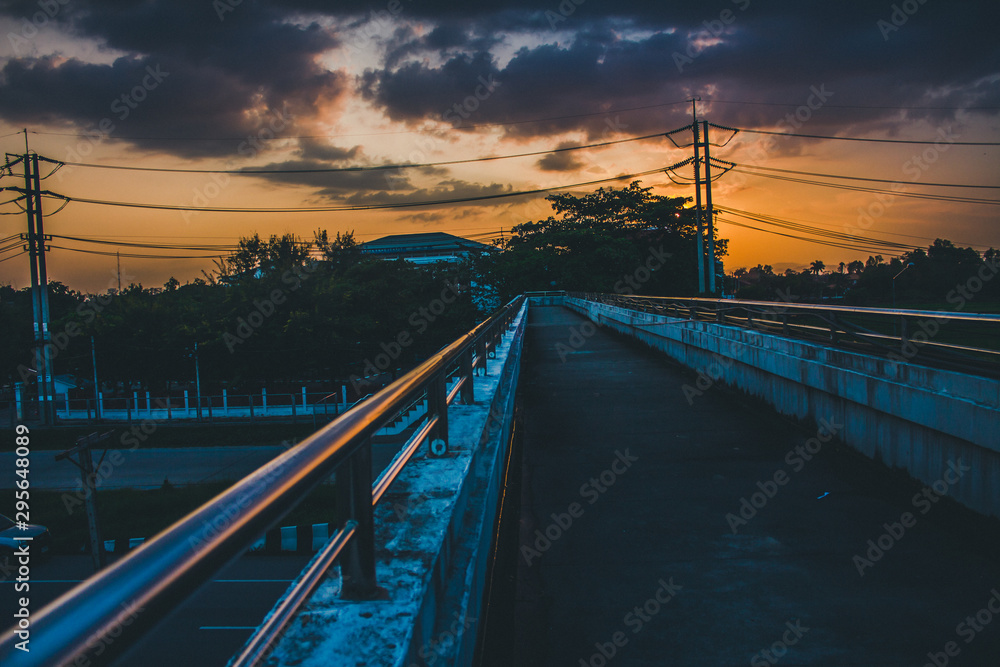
[
  {"x": 564, "y": 161},
  {"x": 341, "y": 185},
  {"x": 751, "y": 51},
  {"x": 243, "y": 74},
  {"x": 226, "y": 78},
  {"x": 445, "y": 190}
]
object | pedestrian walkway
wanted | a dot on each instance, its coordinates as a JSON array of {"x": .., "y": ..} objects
[{"x": 665, "y": 521}]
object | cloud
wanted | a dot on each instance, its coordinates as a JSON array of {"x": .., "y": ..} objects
[
  {"x": 501, "y": 62},
  {"x": 448, "y": 189},
  {"x": 564, "y": 161},
  {"x": 223, "y": 79}
]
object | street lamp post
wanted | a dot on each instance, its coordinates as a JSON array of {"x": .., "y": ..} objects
[{"x": 197, "y": 381}]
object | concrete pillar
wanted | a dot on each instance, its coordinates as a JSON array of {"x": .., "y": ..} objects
[{"x": 225, "y": 403}]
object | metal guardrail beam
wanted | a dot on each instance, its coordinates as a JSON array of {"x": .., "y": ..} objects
[{"x": 97, "y": 620}]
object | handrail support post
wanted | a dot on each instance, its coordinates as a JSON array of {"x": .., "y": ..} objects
[
  {"x": 354, "y": 502},
  {"x": 468, "y": 391},
  {"x": 437, "y": 405}
]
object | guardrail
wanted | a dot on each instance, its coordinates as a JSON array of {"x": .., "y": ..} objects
[
  {"x": 86, "y": 626},
  {"x": 969, "y": 342}
]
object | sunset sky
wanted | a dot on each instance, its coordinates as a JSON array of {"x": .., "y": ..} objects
[{"x": 294, "y": 84}]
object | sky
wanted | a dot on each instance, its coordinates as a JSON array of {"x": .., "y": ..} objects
[{"x": 300, "y": 86}]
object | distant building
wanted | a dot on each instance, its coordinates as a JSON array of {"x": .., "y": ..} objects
[
  {"x": 63, "y": 383},
  {"x": 422, "y": 248}
]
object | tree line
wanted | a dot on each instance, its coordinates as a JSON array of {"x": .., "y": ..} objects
[{"x": 322, "y": 312}]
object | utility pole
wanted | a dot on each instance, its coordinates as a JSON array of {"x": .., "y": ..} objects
[
  {"x": 697, "y": 196},
  {"x": 86, "y": 466},
  {"x": 118, "y": 257},
  {"x": 39, "y": 287},
  {"x": 97, "y": 387},
  {"x": 43, "y": 284},
  {"x": 710, "y": 214}
]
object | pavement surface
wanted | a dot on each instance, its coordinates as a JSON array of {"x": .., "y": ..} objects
[
  {"x": 206, "y": 630},
  {"x": 664, "y": 527},
  {"x": 147, "y": 468}
]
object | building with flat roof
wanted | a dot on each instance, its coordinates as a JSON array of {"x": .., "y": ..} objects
[{"x": 424, "y": 248}]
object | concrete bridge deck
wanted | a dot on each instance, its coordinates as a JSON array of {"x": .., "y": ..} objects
[{"x": 664, "y": 526}]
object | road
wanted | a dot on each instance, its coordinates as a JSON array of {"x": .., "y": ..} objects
[
  {"x": 143, "y": 468},
  {"x": 147, "y": 468},
  {"x": 205, "y": 631}
]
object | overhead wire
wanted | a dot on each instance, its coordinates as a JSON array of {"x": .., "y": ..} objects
[
  {"x": 375, "y": 134},
  {"x": 381, "y": 167},
  {"x": 873, "y": 140},
  {"x": 858, "y": 188},
  {"x": 354, "y": 207}
]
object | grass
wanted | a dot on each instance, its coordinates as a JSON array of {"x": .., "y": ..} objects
[
  {"x": 163, "y": 435},
  {"x": 128, "y": 513}
]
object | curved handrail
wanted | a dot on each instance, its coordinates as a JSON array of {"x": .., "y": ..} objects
[{"x": 128, "y": 598}]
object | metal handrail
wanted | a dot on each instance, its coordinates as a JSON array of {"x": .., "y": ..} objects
[
  {"x": 836, "y": 327},
  {"x": 780, "y": 307},
  {"x": 88, "y": 623}
]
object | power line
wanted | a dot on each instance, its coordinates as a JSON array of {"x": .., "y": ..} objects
[
  {"x": 159, "y": 246},
  {"x": 826, "y": 236},
  {"x": 381, "y": 167},
  {"x": 854, "y": 106},
  {"x": 861, "y": 178},
  {"x": 376, "y": 134},
  {"x": 820, "y": 225},
  {"x": 130, "y": 255},
  {"x": 877, "y": 141},
  {"x": 356, "y": 207},
  {"x": 858, "y": 188}
]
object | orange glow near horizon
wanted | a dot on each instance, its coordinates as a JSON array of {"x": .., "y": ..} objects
[{"x": 916, "y": 221}]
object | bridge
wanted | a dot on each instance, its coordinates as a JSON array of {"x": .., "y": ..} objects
[{"x": 607, "y": 479}]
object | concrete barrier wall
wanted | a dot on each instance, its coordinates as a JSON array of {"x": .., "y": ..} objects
[
  {"x": 912, "y": 417},
  {"x": 434, "y": 529}
]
